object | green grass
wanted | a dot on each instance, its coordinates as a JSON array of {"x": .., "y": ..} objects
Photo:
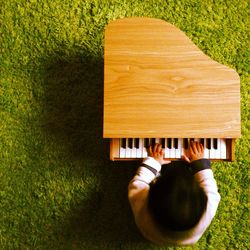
[{"x": 58, "y": 189}]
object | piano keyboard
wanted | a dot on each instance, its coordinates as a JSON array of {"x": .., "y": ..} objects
[{"x": 174, "y": 148}]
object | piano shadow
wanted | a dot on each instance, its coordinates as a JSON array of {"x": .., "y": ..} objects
[
  {"x": 73, "y": 104},
  {"x": 73, "y": 117}
]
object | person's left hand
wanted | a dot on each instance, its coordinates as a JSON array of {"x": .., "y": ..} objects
[{"x": 157, "y": 153}]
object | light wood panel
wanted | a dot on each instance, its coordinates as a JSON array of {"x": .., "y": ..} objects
[{"x": 158, "y": 83}]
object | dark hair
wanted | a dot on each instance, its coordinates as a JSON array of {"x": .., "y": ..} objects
[{"x": 176, "y": 201}]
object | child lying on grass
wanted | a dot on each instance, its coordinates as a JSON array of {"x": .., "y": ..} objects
[{"x": 175, "y": 204}]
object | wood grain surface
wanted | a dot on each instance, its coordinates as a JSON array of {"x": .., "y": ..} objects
[{"x": 158, "y": 83}]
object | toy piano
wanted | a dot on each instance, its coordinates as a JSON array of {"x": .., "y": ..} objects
[{"x": 159, "y": 87}]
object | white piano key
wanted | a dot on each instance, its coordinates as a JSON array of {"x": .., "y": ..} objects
[
  {"x": 122, "y": 150},
  {"x": 133, "y": 151},
  {"x": 212, "y": 150},
  {"x": 144, "y": 150},
  {"x": 128, "y": 150},
  {"x": 167, "y": 153},
  {"x": 218, "y": 150},
  {"x": 223, "y": 149},
  {"x": 157, "y": 140},
  {"x": 139, "y": 151},
  {"x": 167, "y": 150},
  {"x": 178, "y": 151},
  {"x": 206, "y": 150},
  {"x": 172, "y": 150}
]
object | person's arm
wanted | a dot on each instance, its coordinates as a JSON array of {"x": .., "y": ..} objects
[
  {"x": 208, "y": 183},
  {"x": 147, "y": 172},
  {"x": 201, "y": 168},
  {"x": 203, "y": 173}
]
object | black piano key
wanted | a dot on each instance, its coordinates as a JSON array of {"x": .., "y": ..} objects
[
  {"x": 146, "y": 143},
  {"x": 202, "y": 141},
  {"x": 137, "y": 143},
  {"x": 130, "y": 143},
  {"x": 176, "y": 143},
  {"x": 123, "y": 143},
  {"x": 169, "y": 143},
  {"x": 185, "y": 143},
  {"x": 215, "y": 143},
  {"x": 152, "y": 142},
  {"x": 163, "y": 142},
  {"x": 208, "y": 144}
]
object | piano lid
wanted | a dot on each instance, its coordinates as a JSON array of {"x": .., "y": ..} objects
[{"x": 158, "y": 83}]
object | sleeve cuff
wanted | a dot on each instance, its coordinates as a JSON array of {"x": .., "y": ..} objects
[
  {"x": 199, "y": 165},
  {"x": 153, "y": 164},
  {"x": 148, "y": 170}
]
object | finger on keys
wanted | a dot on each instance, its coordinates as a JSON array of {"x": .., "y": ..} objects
[
  {"x": 155, "y": 148},
  {"x": 158, "y": 148},
  {"x": 197, "y": 144},
  {"x": 191, "y": 150},
  {"x": 150, "y": 152},
  {"x": 194, "y": 147},
  {"x": 201, "y": 148},
  {"x": 162, "y": 152},
  {"x": 185, "y": 158}
]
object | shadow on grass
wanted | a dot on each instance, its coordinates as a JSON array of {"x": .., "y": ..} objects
[
  {"x": 73, "y": 115},
  {"x": 73, "y": 105},
  {"x": 105, "y": 220}
]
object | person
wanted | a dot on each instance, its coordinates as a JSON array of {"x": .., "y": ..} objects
[{"x": 173, "y": 203}]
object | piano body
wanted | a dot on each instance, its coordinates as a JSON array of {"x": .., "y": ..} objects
[{"x": 159, "y": 87}]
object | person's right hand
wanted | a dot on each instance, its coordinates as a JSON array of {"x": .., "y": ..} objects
[
  {"x": 195, "y": 152},
  {"x": 157, "y": 153}
]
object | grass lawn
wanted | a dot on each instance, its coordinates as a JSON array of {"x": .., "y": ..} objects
[{"x": 58, "y": 189}]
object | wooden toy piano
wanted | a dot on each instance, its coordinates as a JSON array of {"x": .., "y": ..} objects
[{"x": 160, "y": 87}]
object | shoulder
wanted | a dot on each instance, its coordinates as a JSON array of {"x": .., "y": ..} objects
[
  {"x": 200, "y": 165},
  {"x": 208, "y": 183}
]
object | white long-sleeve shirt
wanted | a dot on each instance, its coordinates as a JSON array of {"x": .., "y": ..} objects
[{"x": 138, "y": 191}]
